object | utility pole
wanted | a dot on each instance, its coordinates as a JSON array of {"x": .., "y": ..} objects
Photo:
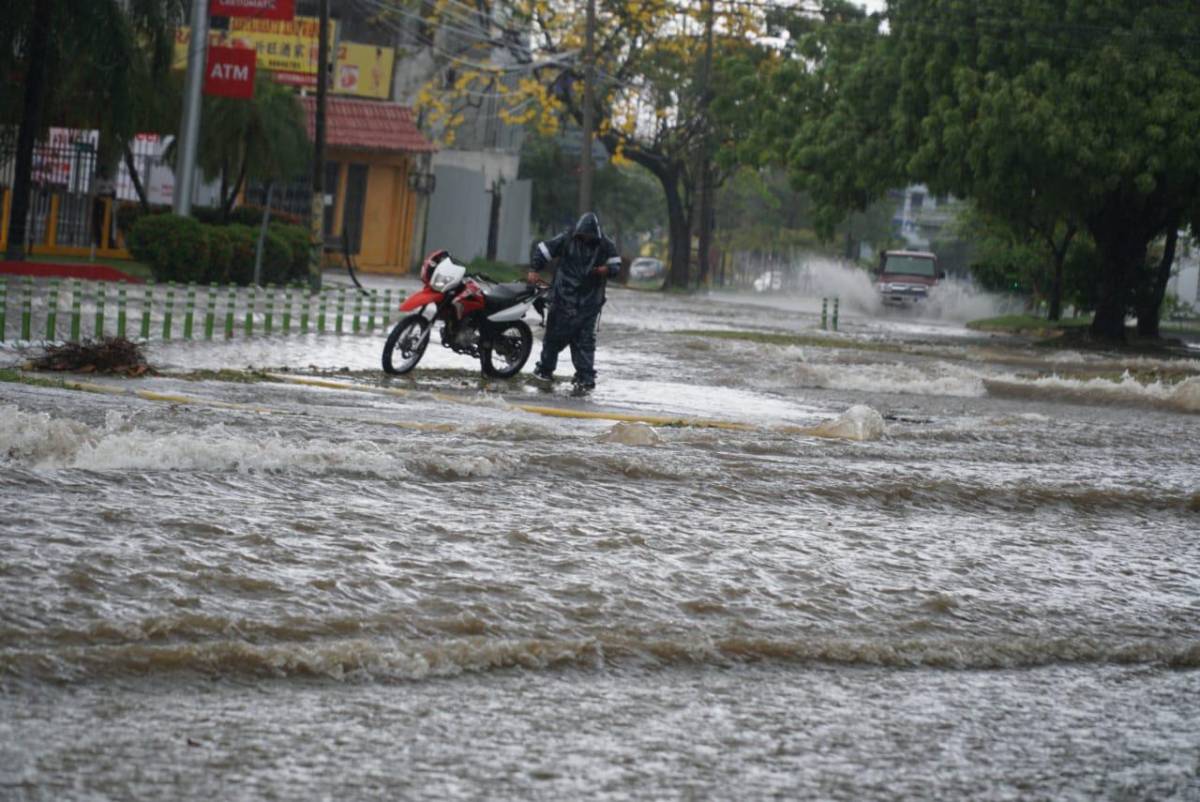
[
  {"x": 589, "y": 78},
  {"x": 317, "y": 221},
  {"x": 706, "y": 215},
  {"x": 189, "y": 125}
]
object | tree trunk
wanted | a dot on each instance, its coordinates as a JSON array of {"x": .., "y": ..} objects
[
  {"x": 1150, "y": 306},
  {"x": 493, "y": 236},
  {"x": 679, "y": 235},
  {"x": 1056, "y": 282},
  {"x": 1121, "y": 252},
  {"x": 131, "y": 165},
  {"x": 227, "y": 203},
  {"x": 31, "y": 121}
]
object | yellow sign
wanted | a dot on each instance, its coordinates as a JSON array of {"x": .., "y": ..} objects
[
  {"x": 289, "y": 49},
  {"x": 364, "y": 70},
  {"x": 282, "y": 45}
]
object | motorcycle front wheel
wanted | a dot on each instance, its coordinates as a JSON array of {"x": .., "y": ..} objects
[
  {"x": 405, "y": 344},
  {"x": 507, "y": 350}
]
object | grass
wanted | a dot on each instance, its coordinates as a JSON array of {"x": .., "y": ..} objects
[
  {"x": 18, "y": 377},
  {"x": 1015, "y": 324},
  {"x": 126, "y": 266},
  {"x": 772, "y": 338}
]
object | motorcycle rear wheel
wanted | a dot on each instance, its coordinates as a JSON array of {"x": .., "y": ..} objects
[
  {"x": 507, "y": 350},
  {"x": 407, "y": 340}
]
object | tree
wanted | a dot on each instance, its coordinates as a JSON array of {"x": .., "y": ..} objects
[
  {"x": 1086, "y": 111},
  {"x": 261, "y": 138},
  {"x": 80, "y": 62},
  {"x": 647, "y": 96}
]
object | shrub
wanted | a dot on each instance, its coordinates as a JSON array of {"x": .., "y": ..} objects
[
  {"x": 178, "y": 245},
  {"x": 129, "y": 213},
  {"x": 241, "y": 260},
  {"x": 296, "y": 238},
  {"x": 277, "y": 259},
  {"x": 220, "y": 253}
]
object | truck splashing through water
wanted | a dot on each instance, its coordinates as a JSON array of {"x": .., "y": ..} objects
[{"x": 905, "y": 277}]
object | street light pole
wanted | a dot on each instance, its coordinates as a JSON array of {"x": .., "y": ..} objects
[
  {"x": 189, "y": 124},
  {"x": 317, "y": 221}
]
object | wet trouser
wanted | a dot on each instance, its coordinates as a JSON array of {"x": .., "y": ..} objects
[{"x": 578, "y": 330}]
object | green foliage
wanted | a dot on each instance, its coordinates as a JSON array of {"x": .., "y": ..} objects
[
  {"x": 628, "y": 200},
  {"x": 243, "y": 240},
  {"x": 296, "y": 239},
  {"x": 220, "y": 253},
  {"x": 175, "y": 247},
  {"x": 1047, "y": 113}
]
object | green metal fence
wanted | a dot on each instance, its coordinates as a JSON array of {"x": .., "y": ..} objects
[{"x": 170, "y": 311}]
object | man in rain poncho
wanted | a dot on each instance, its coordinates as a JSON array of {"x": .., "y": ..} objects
[{"x": 586, "y": 261}]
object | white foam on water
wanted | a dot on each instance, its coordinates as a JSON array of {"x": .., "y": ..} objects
[
  {"x": 1183, "y": 396},
  {"x": 37, "y": 440},
  {"x": 857, "y": 423},
  {"x": 938, "y": 379},
  {"x": 631, "y": 434}
]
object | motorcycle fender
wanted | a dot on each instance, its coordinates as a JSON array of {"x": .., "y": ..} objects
[
  {"x": 420, "y": 298},
  {"x": 508, "y": 315}
]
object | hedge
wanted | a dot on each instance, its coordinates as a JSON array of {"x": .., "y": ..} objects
[{"x": 182, "y": 249}]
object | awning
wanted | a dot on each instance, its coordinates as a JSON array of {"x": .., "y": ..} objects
[{"x": 368, "y": 125}]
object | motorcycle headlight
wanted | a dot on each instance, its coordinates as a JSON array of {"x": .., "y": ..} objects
[{"x": 440, "y": 280}]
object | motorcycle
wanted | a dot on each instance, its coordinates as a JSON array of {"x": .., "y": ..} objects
[{"x": 479, "y": 317}]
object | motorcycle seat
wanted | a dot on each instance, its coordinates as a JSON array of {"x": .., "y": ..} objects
[{"x": 504, "y": 295}]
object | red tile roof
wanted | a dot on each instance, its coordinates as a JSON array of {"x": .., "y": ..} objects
[{"x": 367, "y": 125}]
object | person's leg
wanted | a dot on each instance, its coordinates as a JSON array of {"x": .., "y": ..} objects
[
  {"x": 583, "y": 351},
  {"x": 553, "y": 341}
]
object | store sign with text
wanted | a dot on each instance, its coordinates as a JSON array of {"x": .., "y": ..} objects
[
  {"x": 229, "y": 72},
  {"x": 257, "y": 9}
]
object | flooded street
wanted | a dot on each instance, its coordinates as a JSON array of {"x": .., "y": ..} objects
[{"x": 903, "y": 560}]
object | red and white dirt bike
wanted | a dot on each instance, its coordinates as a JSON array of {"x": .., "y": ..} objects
[{"x": 480, "y": 318}]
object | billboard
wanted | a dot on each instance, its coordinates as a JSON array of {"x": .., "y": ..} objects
[
  {"x": 262, "y": 9},
  {"x": 289, "y": 51}
]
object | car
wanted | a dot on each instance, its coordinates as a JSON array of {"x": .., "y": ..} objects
[
  {"x": 646, "y": 267},
  {"x": 906, "y": 277}
]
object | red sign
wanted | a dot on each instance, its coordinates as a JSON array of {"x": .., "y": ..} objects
[
  {"x": 260, "y": 9},
  {"x": 229, "y": 72}
]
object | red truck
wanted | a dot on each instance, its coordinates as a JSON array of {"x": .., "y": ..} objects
[{"x": 905, "y": 277}]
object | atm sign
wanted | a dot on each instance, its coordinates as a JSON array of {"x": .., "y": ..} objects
[{"x": 229, "y": 72}]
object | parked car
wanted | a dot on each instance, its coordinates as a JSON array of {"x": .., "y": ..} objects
[
  {"x": 905, "y": 277},
  {"x": 646, "y": 267}
]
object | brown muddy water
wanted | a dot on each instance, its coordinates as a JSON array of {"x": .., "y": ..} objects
[{"x": 984, "y": 584}]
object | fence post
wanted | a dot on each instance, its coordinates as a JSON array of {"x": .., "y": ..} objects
[
  {"x": 210, "y": 311},
  {"x": 121, "y": 310},
  {"x": 101, "y": 295},
  {"x": 371, "y": 314},
  {"x": 835, "y": 313},
  {"x": 341, "y": 307},
  {"x": 230, "y": 310},
  {"x": 387, "y": 307},
  {"x": 51, "y": 311},
  {"x": 287, "y": 309},
  {"x": 76, "y": 309},
  {"x": 189, "y": 316},
  {"x": 27, "y": 311},
  {"x": 304, "y": 312},
  {"x": 250, "y": 304},
  {"x": 269, "y": 313},
  {"x": 321, "y": 311},
  {"x": 168, "y": 310},
  {"x": 3, "y": 294},
  {"x": 357, "y": 311},
  {"x": 824, "y": 312},
  {"x": 147, "y": 302}
]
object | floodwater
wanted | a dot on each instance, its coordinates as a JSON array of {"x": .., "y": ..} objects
[{"x": 982, "y": 583}]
